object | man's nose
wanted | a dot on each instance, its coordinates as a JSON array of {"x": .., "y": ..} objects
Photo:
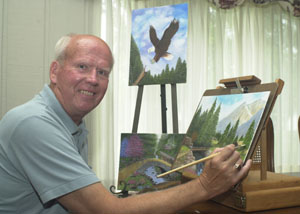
[{"x": 92, "y": 76}]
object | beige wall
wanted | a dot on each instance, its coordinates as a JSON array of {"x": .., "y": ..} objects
[{"x": 28, "y": 32}]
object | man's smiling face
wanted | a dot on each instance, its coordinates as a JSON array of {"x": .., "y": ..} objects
[{"x": 81, "y": 79}]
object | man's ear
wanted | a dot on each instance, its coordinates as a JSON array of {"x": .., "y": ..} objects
[{"x": 54, "y": 67}]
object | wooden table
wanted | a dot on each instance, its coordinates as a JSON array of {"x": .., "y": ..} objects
[{"x": 211, "y": 207}]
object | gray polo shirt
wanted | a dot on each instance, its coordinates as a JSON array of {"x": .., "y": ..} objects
[{"x": 43, "y": 155}]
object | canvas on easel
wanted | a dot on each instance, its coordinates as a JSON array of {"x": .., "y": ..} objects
[
  {"x": 158, "y": 45},
  {"x": 143, "y": 157},
  {"x": 226, "y": 116},
  {"x": 263, "y": 189},
  {"x": 157, "y": 56}
]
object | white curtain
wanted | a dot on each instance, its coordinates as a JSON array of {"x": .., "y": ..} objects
[{"x": 246, "y": 40}]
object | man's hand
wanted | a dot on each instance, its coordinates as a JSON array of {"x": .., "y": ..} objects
[
  {"x": 222, "y": 172},
  {"x": 218, "y": 176}
]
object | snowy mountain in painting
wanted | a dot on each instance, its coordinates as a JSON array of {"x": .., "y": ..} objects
[
  {"x": 246, "y": 113},
  {"x": 242, "y": 129}
]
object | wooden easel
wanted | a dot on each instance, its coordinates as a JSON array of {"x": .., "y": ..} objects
[
  {"x": 262, "y": 189},
  {"x": 124, "y": 193},
  {"x": 264, "y": 151},
  {"x": 163, "y": 108}
]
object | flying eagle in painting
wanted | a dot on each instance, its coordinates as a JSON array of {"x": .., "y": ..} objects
[{"x": 161, "y": 46}]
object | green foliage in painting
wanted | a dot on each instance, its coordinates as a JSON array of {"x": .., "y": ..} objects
[
  {"x": 249, "y": 134},
  {"x": 136, "y": 65},
  {"x": 203, "y": 129},
  {"x": 167, "y": 75}
]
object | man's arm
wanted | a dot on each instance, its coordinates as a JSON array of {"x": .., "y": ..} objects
[{"x": 218, "y": 176}]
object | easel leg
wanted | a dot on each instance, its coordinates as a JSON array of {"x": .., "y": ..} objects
[
  {"x": 137, "y": 109},
  {"x": 264, "y": 160},
  {"x": 174, "y": 108},
  {"x": 163, "y": 108}
]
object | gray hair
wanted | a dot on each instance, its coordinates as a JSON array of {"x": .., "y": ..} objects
[{"x": 60, "y": 47}]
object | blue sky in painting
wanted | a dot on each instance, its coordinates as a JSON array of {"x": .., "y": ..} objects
[
  {"x": 160, "y": 18},
  {"x": 231, "y": 101}
]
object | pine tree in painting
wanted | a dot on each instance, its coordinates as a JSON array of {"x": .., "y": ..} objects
[
  {"x": 232, "y": 133},
  {"x": 222, "y": 140},
  {"x": 136, "y": 65},
  {"x": 208, "y": 129},
  {"x": 249, "y": 134}
]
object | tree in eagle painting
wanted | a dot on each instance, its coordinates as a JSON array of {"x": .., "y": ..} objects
[{"x": 159, "y": 45}]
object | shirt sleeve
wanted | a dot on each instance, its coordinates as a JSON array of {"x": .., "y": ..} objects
[{"x": 46, "y": 156}]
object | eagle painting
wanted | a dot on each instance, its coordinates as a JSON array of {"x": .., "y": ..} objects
[{"x": 161, "y": 46}]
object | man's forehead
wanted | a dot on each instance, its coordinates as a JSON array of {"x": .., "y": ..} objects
[
  {"x": 83, "y": 43},
  {"x": 82, "y": 40},
  {"x": 88, "y": 44}
]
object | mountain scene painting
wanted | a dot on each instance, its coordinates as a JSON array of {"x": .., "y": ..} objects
[
  {"x": 219, "y": 121},
  {"x": 143, "y": 157},
  {"x": 158, "y": 45}
]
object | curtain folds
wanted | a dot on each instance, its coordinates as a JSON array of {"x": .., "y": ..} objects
[{"x": 246, "y": 40}]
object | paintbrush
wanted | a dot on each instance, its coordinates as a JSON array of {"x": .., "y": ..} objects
[{"x": 193, "y": 163}]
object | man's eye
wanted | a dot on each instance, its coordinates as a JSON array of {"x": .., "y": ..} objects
[
  {"x": 82, "y": 67},
  {"x": 103, "y": 73}
]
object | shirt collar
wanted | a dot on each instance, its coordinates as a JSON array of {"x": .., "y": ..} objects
[{"x": 51, "y": 101}]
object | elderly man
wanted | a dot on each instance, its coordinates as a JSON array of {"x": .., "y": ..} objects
[{"x": 43, "y": 150}]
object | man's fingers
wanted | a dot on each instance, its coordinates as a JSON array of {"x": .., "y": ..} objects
[
  {"x": 247, "y": 166},
  {"x": 226, "y": 152},
  {"x": 238, "y": 165},
  {"x": 243, "y": 172}
]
